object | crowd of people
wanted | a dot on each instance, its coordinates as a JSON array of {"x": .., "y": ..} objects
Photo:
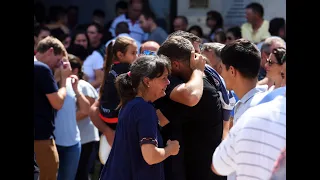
[{"x": 149, "y": 104}]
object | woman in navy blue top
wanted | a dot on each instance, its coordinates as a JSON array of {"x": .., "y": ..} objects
[{"x": 138, "y": 151}]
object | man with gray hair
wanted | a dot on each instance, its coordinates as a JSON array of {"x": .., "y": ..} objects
[{"x": 212, "y": 52}]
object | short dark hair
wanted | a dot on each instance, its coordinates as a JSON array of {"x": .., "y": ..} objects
[
  {"x": 244, "y": 56},
  {"x": 236, "y": 31},
  {"x": 147, "y": 13},
  {"x": 191, "y": 37},
  {"x": 98, "y": 26},
  {"x": 39, "y": 28},
  {"x": 275, "y": 25},
  {"x": 176, "y": 48},
  {"x": 183, "y": 18},
  {"x": 121, "y": 5},
  {"x": 151, "y": 66},
  {"x": 122, "y": 27},
  {"x": 98, "y": 13},
  {"x": 256, "y": 7}
]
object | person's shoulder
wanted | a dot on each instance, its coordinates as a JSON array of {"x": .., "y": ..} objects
[
  {"x": 139, "y": 104},
  {"x": 266, "y": 110},
  {"x": 245, "y": 25},
  {"x": 85, "y": 83},
  {"x": 120, "y": 18},
  {"x": 42, "y": 67}
]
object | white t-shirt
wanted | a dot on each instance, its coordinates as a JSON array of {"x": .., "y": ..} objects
[
  {"x": 88, "y": 132},
  {"x": 92, "y": 63}
]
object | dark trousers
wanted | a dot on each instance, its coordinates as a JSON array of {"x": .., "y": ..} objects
[{"x": 83, "y": 167}]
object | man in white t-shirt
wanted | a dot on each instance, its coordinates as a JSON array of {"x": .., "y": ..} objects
[{"x": 132, "y": 18}]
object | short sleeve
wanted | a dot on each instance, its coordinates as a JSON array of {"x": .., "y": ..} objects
[
  {"x": 47, "y": 81},
  {"x": 97, "y": 61},
  {"x": 147, "y": 123},
  {"x": 87, "y": 89}
]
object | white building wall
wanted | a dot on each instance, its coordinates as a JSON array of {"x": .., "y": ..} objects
[{"x": 233, "y": 11}]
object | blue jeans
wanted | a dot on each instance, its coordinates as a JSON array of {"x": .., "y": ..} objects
[{"x": 69, "y": 160}]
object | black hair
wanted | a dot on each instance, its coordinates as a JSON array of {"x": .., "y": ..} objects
[
  {"x": 279, "y": 53},
  {"x": 244, "y": 56},
  {"x": 196, "y": 28},
  {"x": 256, "y": 7},
  {"x": 236, "y": 31}
]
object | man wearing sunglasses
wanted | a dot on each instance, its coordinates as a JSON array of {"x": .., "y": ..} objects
[{"x": 149, "y": 48}]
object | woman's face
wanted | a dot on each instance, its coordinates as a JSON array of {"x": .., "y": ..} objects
[
  {"x": 230, "y": 38},
  {"x": 211, "y": 23},
  {"x": 130, "y": 55},
  {"x": 272, "y": 67},
  {"x": 157, "y": 86},
  {"x": 82, "y": 40}
]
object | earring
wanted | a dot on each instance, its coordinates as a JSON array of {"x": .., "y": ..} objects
[{"x": 148, "y": 86}]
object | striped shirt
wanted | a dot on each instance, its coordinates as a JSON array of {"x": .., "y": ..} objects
[{"x": 254, "y": 142}]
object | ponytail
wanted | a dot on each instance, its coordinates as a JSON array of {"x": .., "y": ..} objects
[
  {"x": 108, "y": 60},
  {"x": 125, "y": 89}
]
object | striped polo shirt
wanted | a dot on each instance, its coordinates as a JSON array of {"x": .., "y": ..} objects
[{"x": 254, "y": 142}]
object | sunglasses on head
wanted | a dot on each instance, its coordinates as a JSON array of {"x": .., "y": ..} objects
[
  {"x": 270, "y": 62},
  {"x": 147, "y": 52}
]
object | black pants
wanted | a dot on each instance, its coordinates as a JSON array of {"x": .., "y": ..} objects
[{"x": 83, "y": 167}]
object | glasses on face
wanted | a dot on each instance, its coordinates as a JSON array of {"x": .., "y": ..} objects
[{"x": 147, "y": 52}]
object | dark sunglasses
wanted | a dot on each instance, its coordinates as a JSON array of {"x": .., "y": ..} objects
[{"x": 147, "y": 52}]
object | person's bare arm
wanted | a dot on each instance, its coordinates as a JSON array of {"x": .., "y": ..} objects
[
  {"x": 226, "y": 125},
  {"x": 56, "y": 99},
  {"x": 83, "y": 103},
  {"x": 162, "y": 119},
  {"x": 99, "y": 78},
  {"x": 153, "y": 155},
  {"x": 96, "y": 120},
  {"x": 80, "y": 115},
  {"x": 190, "y": 93}
]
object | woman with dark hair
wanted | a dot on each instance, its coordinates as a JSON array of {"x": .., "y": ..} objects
[
  {"x": 274, "y": 67},
  {"x": 138, "y": 150},
  {"x": 197, "y": 30},
  {"x": 214, "y": 22},
  {"x": 88, "y": 132},
  {"x": 232, "y": 34}
]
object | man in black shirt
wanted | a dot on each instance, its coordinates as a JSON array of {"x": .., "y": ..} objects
[
  {"x": 47, "y": 99},
  {"x": 198, "y": 127}
]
